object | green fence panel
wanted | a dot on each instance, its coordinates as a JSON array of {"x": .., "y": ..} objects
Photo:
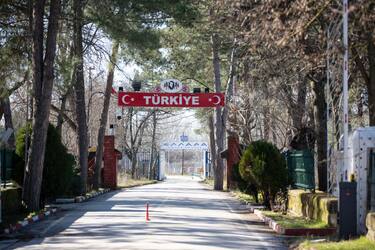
[
  {"x": 6, "y": 162},
  {"x": 301, "y": 169}
]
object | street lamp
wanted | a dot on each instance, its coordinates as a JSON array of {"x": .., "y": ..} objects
[{"x": 136, "y": 85}]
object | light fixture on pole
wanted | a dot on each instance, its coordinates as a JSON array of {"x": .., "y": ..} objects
[{"x": 136, "y": 85}]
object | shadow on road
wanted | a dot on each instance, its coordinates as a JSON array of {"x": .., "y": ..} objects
[{"x": 185, "y": 215}]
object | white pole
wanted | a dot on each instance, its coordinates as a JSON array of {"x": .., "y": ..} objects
[
  {"x": 327, "y": 108},
  {"x": 345, "y": 81}
]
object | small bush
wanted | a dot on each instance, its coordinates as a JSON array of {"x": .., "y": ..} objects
[
  {"x": 263, "y": 166},
  {"x": 243, "y": 185},
  {"x": 58, "y": 164},
  {"x": 10, "y": 200}
]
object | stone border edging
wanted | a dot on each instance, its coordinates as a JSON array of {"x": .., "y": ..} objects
[
  {"x": 29, "y": 220},
  {"x": 293, "y": 231},
  {"x": 40, "y": 216},
  {"x": 82, "y": 198}
]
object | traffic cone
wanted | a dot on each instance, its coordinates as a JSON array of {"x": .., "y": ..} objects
[{"x": 147, "y": 213}]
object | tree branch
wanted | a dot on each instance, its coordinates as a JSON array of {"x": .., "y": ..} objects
[{"x": 70, "y": 122}]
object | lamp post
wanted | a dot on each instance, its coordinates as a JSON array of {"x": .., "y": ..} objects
[{"x": 136, "y": 85}]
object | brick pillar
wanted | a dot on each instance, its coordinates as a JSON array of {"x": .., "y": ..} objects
[
  {"x": 110, "y": 163},
  {"x": 233, "y": 157}
]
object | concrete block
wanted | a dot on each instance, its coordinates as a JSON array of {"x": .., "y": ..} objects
[
  {"x": 370, "y": 224},
  {"x": 317, "y": 206}
]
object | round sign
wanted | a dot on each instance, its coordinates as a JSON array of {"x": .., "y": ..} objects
[{"x": 171, "y": 85}]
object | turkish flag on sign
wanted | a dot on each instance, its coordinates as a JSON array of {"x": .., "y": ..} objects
[{"x": 182, "y": 100}]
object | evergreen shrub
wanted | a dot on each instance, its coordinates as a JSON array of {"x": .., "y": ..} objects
[
  {"x": 263, "y": 166},
  {"x": 58, "y": 173}
]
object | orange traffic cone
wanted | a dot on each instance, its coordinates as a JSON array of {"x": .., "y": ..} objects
[{"x": 147, "y": 214}]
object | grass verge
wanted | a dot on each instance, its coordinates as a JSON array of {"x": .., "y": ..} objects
[
  {"x": 243, "y": 196},
  {"x": 288, "y": 221},
  {"x": 361, "y": 243},
  {"x": 210, "y": 182},
  {"x": 134, "y": 183}
]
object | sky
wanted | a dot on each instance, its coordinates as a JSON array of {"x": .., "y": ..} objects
[{"x": 184, "y": 122}]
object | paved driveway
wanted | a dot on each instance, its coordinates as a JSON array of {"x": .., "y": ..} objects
[{"x": 184, "y": 215}]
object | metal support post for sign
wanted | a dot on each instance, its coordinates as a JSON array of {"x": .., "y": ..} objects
[{"x": 345, "y": 81}]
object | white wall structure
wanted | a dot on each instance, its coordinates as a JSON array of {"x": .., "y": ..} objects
[
  {"x": 179, "y": 145},
  {"x": 361, "y": 143}
]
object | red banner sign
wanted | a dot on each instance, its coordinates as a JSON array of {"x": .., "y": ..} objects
[{"x": 191, "y": 100}]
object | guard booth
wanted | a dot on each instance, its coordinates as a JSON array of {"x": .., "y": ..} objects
[{"x": 361, "y": 169}]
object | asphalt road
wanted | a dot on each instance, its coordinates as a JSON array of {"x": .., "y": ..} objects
[{"x": 184, "y": 214}]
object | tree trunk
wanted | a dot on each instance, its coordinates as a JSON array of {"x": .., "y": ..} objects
[
  {"x": 134, "y": 165},
  {"x": 154, "y": 123},
  {"x": 230, "y": 84},
  {"x": 212, "y": 141},
  {"x": 104, "y": 115},
  {"x": 266, "y": 115},
  {"x": 320, "y": 123},
  {"x": 299, "y": 110},
  {"x": 371, "y": 82},
  {"x": 61, "y": 112},
  {"x": 5, "y": 104},
  {"x": 79, "y": 87},
  {"x": 60, "y": 116},
  {"x": 219, "y": 125},
  {"x": 43, "y": 83},
  {"x": 1, "y": 112}
]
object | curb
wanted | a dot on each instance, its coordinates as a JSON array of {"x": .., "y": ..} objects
[
  {"x": 79, "y": 199},
  {"x": 40, "y": 216},
  {"x": 29, "y": 220},
  {"x": 293, "y": 231}
]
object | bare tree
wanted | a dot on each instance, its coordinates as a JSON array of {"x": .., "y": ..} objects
[{"x": 219, "y": 125}]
